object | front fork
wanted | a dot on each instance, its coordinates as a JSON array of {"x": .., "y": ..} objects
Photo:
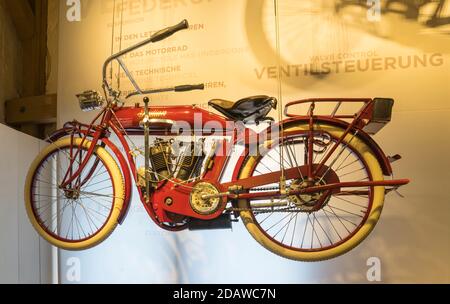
[{"x": 75, "y": 177}]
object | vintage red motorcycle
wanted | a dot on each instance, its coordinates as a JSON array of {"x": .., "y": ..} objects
[{"x": 309, "y": 187}]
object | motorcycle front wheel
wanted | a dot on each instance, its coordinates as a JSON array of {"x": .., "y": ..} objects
[{"x": 83, "y": 214}]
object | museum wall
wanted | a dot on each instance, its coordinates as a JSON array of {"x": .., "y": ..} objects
[
  {"x": 25, "y": 257},
  {"x": 10, "y": 59},
  {"x": 324, "y": 52}
]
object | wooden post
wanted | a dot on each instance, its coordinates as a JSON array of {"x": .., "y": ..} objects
[{"x": 30, "y": 20}]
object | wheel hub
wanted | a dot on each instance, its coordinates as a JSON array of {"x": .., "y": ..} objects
[
  {"x": 72, "y": 194},
  {"x": 309, "y": 202}
]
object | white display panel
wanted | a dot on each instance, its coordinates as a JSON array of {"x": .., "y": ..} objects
[{"x": 25, "y": 258}]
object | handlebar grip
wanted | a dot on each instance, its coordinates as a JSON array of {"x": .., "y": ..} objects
[
  {"x": 167, "y": 32},
  {"x": 185, "y": 88}
]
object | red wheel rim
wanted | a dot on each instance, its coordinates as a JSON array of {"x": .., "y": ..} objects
[
  {"x": 51, "y": 231},
  {"x": 333, "y": 244}
]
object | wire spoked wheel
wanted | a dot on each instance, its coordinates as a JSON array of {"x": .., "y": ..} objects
[
  {"x": 83, "y": 213},
  {"x": 319, "y": 225}
]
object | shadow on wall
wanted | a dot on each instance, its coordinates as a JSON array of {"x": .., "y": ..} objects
[{"x": 314, "y": 32}]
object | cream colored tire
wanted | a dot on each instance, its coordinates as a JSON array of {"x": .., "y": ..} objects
[
  {"x": 119, "y": 192},
  {"x": 372, "y": 165}
]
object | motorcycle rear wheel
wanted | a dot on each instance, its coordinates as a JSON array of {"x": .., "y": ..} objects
[{"x": 317, "y": 250}]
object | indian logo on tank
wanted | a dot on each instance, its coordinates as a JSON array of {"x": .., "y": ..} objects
[{"x": 152, "y": 114}]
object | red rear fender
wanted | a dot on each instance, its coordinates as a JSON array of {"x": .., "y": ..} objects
[{"x": 380, "y": 155}]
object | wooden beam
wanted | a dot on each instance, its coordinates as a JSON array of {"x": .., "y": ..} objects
[
  {"x": 41, "y": 45},
  {"x": 22, "y": 16},
  {"x": 35, "y": 53},
  {"x": 30, "y": 21},
  {"x": 31, "y": 110},
  {"x": 35, "y": 115}
]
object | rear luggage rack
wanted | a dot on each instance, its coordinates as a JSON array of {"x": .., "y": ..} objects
[
  {"x": 381, "y": 115},
  {"x": 371, "y": 117}
]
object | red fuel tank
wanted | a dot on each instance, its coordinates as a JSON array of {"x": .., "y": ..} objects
[{"x": 162, "y": 118}]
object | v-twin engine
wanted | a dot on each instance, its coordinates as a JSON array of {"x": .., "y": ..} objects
[{"x": 181, "y": 160}]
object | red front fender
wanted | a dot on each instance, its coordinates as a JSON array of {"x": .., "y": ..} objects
[{"x": 66, "y": 131}]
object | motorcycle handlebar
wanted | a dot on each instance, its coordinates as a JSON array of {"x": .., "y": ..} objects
[
  {"x": 181, "y": 88},
  {"x": 169, "y": 31},
  {"x": 185, "y": 88},
  {"x": 158, "y": 36}
]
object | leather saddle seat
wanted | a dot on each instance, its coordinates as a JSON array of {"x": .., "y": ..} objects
[{"x": 250, "y": 109}]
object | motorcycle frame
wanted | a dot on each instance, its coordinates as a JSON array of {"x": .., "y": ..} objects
[{"x": 99, "y": 134}]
